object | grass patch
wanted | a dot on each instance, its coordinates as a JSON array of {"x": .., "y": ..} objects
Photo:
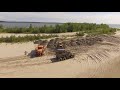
[
  {"x": 80, "y": 33},
  {"x": 27, "y": 38}
]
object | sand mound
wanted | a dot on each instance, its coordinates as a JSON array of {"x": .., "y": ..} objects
[{"x": 74, "y": 42}]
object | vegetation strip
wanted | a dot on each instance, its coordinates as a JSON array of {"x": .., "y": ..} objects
[
  {"x": 27, "y": 38},
  {"x": 66, "y": 27},
  {"x": 90, "y": 29}
]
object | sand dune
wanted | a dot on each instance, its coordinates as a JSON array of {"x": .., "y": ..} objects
[{"x": 99, "y": 61}]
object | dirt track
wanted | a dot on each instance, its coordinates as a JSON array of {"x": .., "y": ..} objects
[{"x": 99, "y": 60}]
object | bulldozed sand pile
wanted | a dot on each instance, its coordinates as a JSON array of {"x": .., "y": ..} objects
[
  {"x": 74, "y": 42},
  {"x": 94, "y": 57}
]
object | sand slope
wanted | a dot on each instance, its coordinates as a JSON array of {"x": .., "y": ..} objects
[
  {"x": 11, "y": 50},
  {"x": 101, "y": 60}
]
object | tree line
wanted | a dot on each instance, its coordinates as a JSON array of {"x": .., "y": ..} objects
[{"x": 66, "y": 27}]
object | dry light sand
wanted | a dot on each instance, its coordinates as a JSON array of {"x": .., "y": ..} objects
[
  {"x": 82, "y": 66},
  {"x": 61, "y": 34}
]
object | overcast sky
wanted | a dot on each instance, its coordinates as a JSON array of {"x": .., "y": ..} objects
[{"x": 90, "y": 17}]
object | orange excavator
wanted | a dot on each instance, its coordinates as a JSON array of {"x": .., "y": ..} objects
[{"x": 40, "y": 49}]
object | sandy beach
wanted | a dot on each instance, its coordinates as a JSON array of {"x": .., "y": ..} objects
[{"x": 107, "y": 65}]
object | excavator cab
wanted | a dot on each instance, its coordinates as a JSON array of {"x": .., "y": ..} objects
[
  {"x": 40, "y": 47},
  {"x": 60, "y": 46},
  {"x": 40, "y": 50}
]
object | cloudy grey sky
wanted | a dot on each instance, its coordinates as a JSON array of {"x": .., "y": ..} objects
[{"x": 90, "y": 17}]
